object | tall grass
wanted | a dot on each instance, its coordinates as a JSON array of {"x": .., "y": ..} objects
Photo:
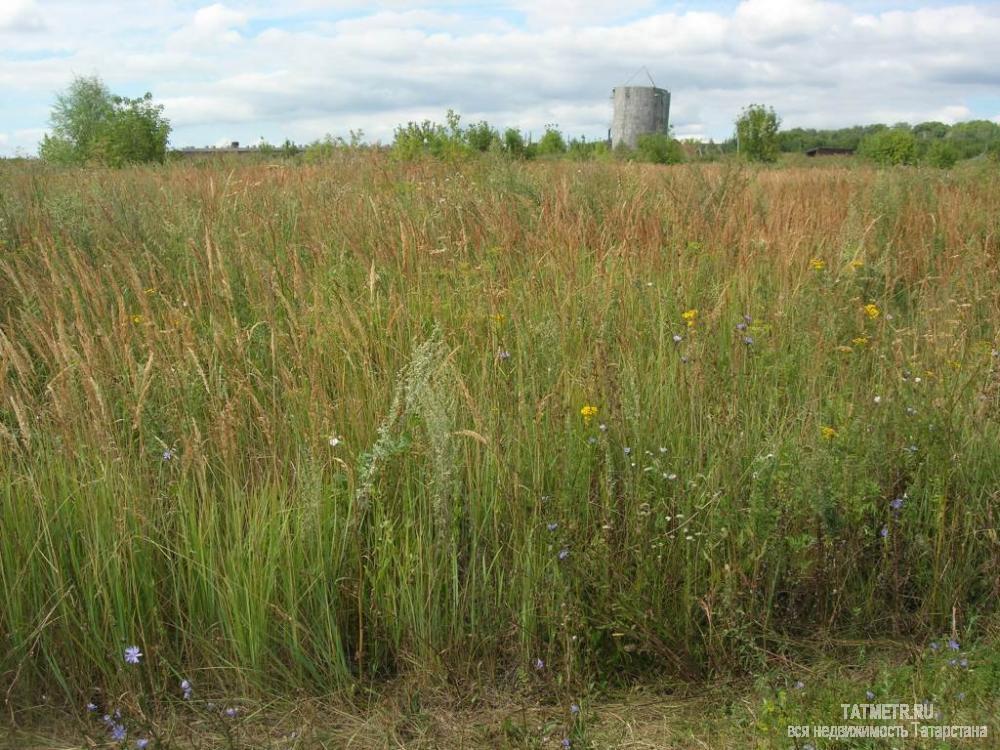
[{"x": 178, "y": 346}]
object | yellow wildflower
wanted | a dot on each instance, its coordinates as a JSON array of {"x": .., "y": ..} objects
[
  {"x": 588, "y": 412},
  {"x": 137, "y": 319},
  {"x": 151, "y": 290},
  {"x": 844, "y": 349},
  {"x": 690, "y": 316},
  {"x": 860, "y": 340},
  {"x": 827, "y": 432},
  {"x": 817, "y": 264},
  {"x": 856, "y": 264},
  {"x": 872, "y": 311},
  {"x": 498, "y": 318}
]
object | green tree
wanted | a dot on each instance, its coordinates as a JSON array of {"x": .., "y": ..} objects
[
  {"x": 757, "y": 133},
  {"x": 941, "y": 154},
  {"x": 890, "y": 147},
  {"x": 552, "y": 143},
  {"x": 513, "y": 142},
  {"x": 92, "y": 125},
  {"x": 658, "y": 148}
]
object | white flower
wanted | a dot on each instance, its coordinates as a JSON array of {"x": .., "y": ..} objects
[
  {"x": 878, "y": 399},
  {"x": 334, "y": 442}
]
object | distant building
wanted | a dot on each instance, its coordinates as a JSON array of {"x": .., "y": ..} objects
[
  {"x": 232, "y": 148},
  {"x": 829, "y": 151},
  {"x": 638, "y": 110}
]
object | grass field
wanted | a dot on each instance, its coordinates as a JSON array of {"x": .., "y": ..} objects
[{"x": 560, "y": 429}]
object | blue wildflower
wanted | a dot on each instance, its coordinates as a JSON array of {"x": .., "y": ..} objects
[
  {"x": 142, "y": 744},
  {"x": 800, "y": 685},
  {"x": 169, "y": 454},
  {"x": 935, "y": 646},
  {"x": 552, "y": 525},
  {"x": 118, "y": 732},
  {"x": 884, "y": 532},
  {"x": 566, "y": 743},
  {"x": 186, "y": 689},
  {"x": 869, "y": 695},
  {"x": 132, "y": 655},
  {"x": 627, "y": 451},
  {"x": 896, "y": 503},
  {"x": 538, "y": 664},
  {"x": 953, "y": 645},
  {"x": 574, "y": 709},
  {"x": 677, "y": 338},
  {"x": 231, "y": 712},
  {"x": 563, "y": 553},
  {"x": 91, "y": 707},
  {"x": 748, "y": 340}
]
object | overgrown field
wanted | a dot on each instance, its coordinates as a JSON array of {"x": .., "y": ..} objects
[{"x": 292, "y": 429}]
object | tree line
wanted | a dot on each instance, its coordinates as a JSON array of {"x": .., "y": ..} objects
[{"x": 91, "y": 125}]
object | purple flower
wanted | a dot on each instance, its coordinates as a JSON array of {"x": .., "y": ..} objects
[
  {"x": 884, "y": 532},
  {"x": 869, "y": 695},
  {"x": 953, "y": 645},
  {"x": 538, "y": 664},
  {"x": 896, "y": 504},
  {"x": 678, "y": 338},
  {"x": 169, "y": 454},
  {"x": 748, "y": 340},
  {"x": 741, "y": 326},
  {"x": 800, "y": 685},
  {"x": 963, "y": 663},
  {"x": 187, "y": 689},
  {"x": 563, "y": 553},
  {"x": 142, "y": 744},
  {"x": 503, "y": 355},
  {"x": 574, "y": 709},
  {"x": 552, "y": 525},
  {"x": 934, "y": 646},
  {"x": 132, "y": 655},
  {"x": 566, "y": 743},
  {"x": 118, "y": 732},
  {"x": 231, "y": 712},
  {"x": 107, "y": 719},
  {"x": 91, "y": 707}
]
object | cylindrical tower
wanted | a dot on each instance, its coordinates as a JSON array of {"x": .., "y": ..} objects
[{"x": 638, "y": 110}]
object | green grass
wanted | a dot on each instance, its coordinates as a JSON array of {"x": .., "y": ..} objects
[{"x": 241, "y": 317}]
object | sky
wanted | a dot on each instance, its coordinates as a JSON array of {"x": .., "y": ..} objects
[{"x": 301, "y": 69}]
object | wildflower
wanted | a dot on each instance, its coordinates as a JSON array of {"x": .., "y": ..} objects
[
  {"x": 748, "y": 340},
  {"x": 690, "y": 316},
  {"x": 934, "y": 646},
  {"x": 498, "y": 318},
  {"x": 741, "y": 326},
  {"x": 960, "y": 696},
  {"x": 334, "y": 441},
  {"x": 627, "y": 451},
  {"x": 136, "y": 319},
  {"x": 107, "y": 719},
  {"x": 231, "y": 712},
  {"x": 168, "y": 454},
  {"x": 817, "y": 264},
  {"x": 592, "y": 440},
  {"x": 670, "y": 477},
  {"x": 828, "y": 433},
  {"x": 539, "y": 664},
  {"x": 953, "y": 644},
  {"x": 869, "y": 695},
  {"x": 910, "y": 411},
  {"x": 186, "y": 689},
  {"x": 118, "y": 732},
  {"x": 860, "y": 341},
  {"x": 963, "y": 663},
  {"x": 142, "y": 744},
  {"x": 884, "y": 532},
  {"x": 566, "y": 744},
  {"x": 896, "y": 503},
  {"x": 602, "y": 427},
  {"x": 132, "y": 655},
  {"x": 872, "y": 311},
  {"x": 588, "y": 412},
  {"x": 552, "y": 525},
  {"x": 563, "y": 553},
  {"x": 503, "y": 355},
  {"x": 877, "y": 399},
  {"x": 151, "y": 290},
  {"x": 856, "y": 264},
  {"x": 911, "y": 449},
  {"x": 800, "y": 685},
  {"x": 677, "y": 338},
  {"x": 574, "y": 709}
]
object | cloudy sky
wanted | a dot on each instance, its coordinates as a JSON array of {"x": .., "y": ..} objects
[{"x": 243, "y": 70}]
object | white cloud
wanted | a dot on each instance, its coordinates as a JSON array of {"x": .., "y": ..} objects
[
  {"x": 20, "y": 16},
  {"x": 244, "y": 69}
]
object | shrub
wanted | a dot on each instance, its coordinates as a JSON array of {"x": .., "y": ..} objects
[
  {"x": 658, "y": 148},
  {"x": 890, "y": 147}
]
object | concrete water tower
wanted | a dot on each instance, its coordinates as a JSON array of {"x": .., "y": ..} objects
[{"x": 638, "y": 110}]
